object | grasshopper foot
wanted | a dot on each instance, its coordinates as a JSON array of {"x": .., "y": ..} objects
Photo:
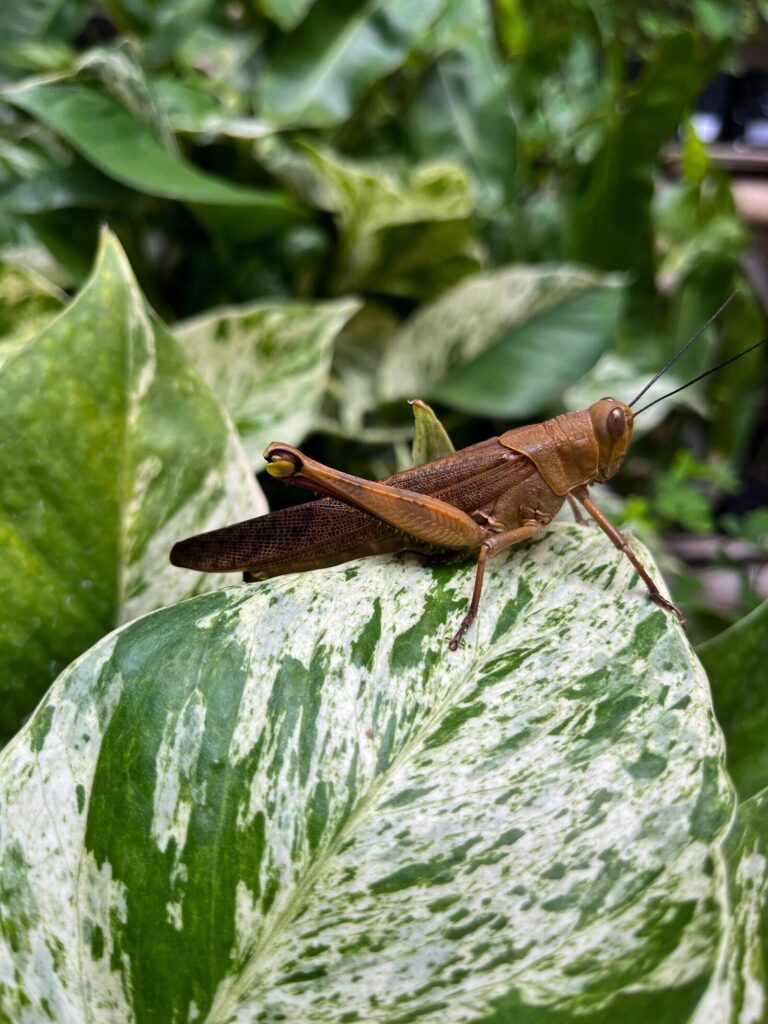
[
  {"x": 662, "y": 602},
  {"x": 457, "y": 640}
]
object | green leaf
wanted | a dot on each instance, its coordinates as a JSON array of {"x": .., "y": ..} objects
[
  {"x": 462, "y": 113},
  {"x": 320, "y": 72},
  {"x": 285, "y": 13},
  {"x": 112, "y": 449},
  {"x": 27, "y": 302},
  {"x": 60, "y": 188},
  {"x": 268, "y": 363},
  {"x": 28, "y": 20},
  {"x": 292, "y": 802},
  {"x": 610, "y": 202},
  {"x": 735, "y": 661},
  {"x": 743, "y": 970},
  {"x": 163, "y": 23},
  {"x": 123, "y": 148},
  {"x": 504, "y": 343},
  {"x": 191, "y": 109},
  {"x": 430, "y": 439},
  {"x": 367, "y": 198},
  {"x": 398, "y": 232}
]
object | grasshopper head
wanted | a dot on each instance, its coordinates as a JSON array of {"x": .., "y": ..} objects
[{"x": 612, "y": 424}]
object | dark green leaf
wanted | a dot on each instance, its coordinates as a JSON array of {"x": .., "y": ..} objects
[
  {"x": 123, "y": 148},
  {"x": 736, "y": 662},
  {"x": 504, "y": 343},
  {"x": 320, "y": 72}
]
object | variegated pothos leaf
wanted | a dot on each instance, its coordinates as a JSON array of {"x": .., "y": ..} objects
[
  {"x": 291, "y": 802},
  {"x": 506, "y": 342},
  {"x": 113, "y": 447},
  {"x": 268, "y": 363}
]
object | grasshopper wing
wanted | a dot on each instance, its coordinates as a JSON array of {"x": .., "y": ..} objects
[{"x": 328, "y": 531}]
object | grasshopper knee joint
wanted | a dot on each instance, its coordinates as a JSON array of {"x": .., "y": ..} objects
[{"x": 281, "y": 463}]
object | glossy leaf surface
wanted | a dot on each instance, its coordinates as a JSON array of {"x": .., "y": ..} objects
[
  {"x": 113, "y": 447},
  {"x": 736, "y": 662},
  {"x": 122, "y": 147},
  {"x": 291, "y": 801},
  {"x": 506, "y": 342}
]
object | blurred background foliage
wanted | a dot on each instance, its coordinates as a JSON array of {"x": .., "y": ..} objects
[{"x": 485, "y": 180}]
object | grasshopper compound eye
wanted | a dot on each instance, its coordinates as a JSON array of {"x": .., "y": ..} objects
[{"x": 616, "y": 423}]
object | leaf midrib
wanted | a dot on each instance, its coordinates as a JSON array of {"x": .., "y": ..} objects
[{"x": 284, "y": 918}]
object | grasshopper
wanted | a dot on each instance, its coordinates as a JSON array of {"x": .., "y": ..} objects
[{"x": 482, "y": 499}]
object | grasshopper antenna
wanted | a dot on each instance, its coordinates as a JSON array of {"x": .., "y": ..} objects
[
  {"x": 702, "y": 375},
  {"x": 680, "y": 351}
]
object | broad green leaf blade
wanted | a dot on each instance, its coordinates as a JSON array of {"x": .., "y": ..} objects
[
  {"x": 736, "y": 665},
  {"x": 285, "y": 13},
  {"x": 506, "y": 342},
  {"x": 406, "y": 234},
  {"x": 268, "y": 363},
  {"x": 27, "y": 302},
  {"x": 342, "y": 48},
  {"x": 430, "y": 438},
  {"x": 107, "y": 135},
  {"x": 291, "y": 802},
  {"x": 463, "y": 113},
  {"x": 112, "y": 449}
]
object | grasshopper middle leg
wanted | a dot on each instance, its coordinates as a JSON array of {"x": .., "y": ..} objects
[{"x": 490, "y": 546}]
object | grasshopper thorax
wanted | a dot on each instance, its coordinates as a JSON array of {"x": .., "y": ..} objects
[{"x": 612, "y": 425}]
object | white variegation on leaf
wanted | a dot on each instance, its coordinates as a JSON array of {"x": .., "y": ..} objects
[
  {"x": 407, "y": 234},
  {"x": 504, "y": 343},
  {"x": 291, "y": 802},
  {"x": 28, "y": 301},
  {"x": 113, "y": 447},
  {"x": 268, "y": 362}
]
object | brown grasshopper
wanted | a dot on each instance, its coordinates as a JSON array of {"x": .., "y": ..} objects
[{"x": 483, "y": 499}]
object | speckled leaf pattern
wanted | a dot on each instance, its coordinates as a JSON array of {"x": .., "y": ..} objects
[
  {"x": 112, "y": 447},
  {"x": 268, "y": 363},
  {"x": 395, "y": 230},
  {"x": 291, "y": 802},
  {"x": 738, "y": 993},
  {"x": 27, "y": 303},
  {"x": 505, "y": 342}
]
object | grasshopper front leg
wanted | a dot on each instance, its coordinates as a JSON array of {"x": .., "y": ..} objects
[{"x": 618, "y": 541}]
